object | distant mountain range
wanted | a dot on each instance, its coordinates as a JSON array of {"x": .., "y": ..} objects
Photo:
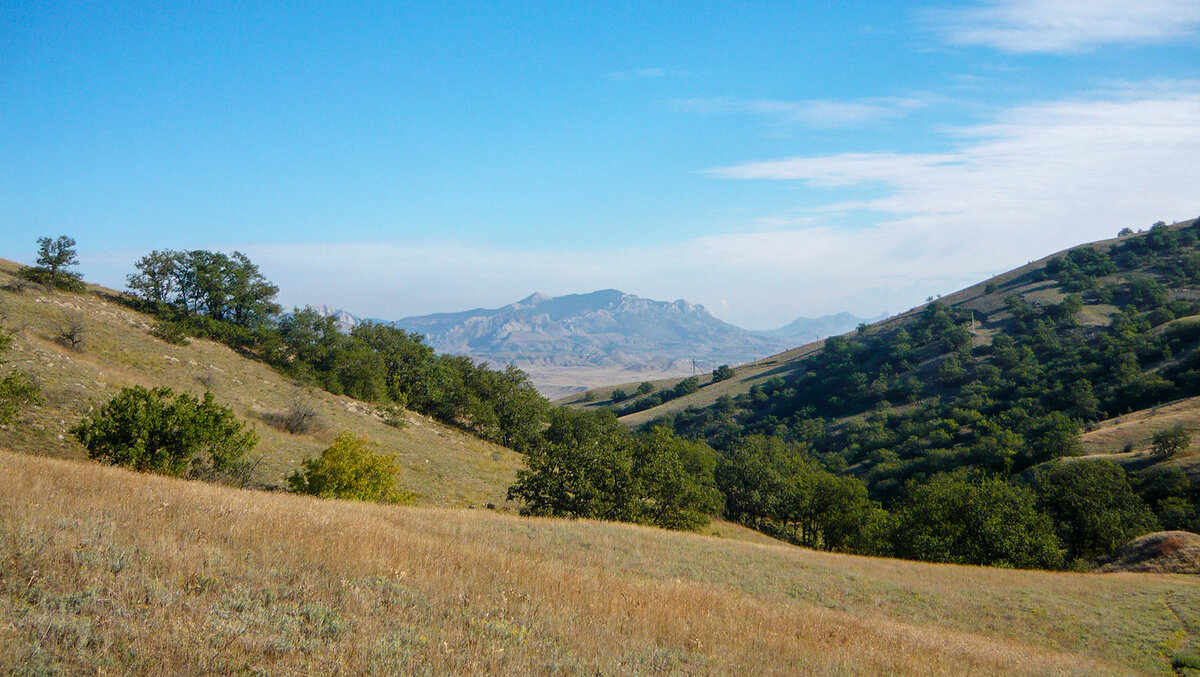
[
  {"x": 567, "y": 343},
  {"x": 806, "y": 330}
]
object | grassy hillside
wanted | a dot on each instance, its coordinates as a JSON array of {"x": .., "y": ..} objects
[
  {"x": 107, "y": 570},
  {"x": 440, "y": 464},
  {"x": 986, "y": 298},
  {"x": 1038, "y": 285},
  {"x": 745, "y": 377}
]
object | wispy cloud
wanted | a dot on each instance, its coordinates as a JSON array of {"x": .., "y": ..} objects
[
  {"x": 649, "y": 74},
  {"x": 1023, "y": 184},
  {"x": 1060, "y": 26},
  {"x": 1030, "y": 181},
  {"x": 1018, "y": 186},
  {"x": 815, "y": 113}
]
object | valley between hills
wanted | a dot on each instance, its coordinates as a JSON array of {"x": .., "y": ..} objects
[{"x": 106, "y": 569}]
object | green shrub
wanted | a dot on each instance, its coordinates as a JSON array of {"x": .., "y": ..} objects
[
  {"x": 171, "y": 332},
  {"x": 349, "y": 468},
  {"x": 16, "y": 388},
  {"x": 1167, "y": 443},
  {"x": 1187, "y": 660},
  {"x": 722, "y": 373},
  {"x": 166, "y": 432}
]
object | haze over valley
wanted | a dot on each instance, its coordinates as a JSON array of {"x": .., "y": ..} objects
[{"x": 571, "y": 343}]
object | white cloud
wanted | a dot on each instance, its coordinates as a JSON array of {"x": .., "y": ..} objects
[
  {"x": 1034, "y": 180},
  {"x": 816, "y": 113},
  {"x": 1058, "y": 26}
]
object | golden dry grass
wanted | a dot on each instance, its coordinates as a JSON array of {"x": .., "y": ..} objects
[
  {"x": 1159, "y": 552},
  {"x": 103, "y": 570},
  {"x": 440, "y": 464}
]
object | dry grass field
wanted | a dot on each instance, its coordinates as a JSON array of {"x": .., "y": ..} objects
[
  {"x": 106, "y": 571},
  {"x": 441, "y": 465}
]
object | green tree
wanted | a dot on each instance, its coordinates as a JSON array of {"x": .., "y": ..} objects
[
  {"x": 645, "y": 388},
  {"x": 16, "y": 388},
  {"x": 166, "y": 432},
  {"x": 984, "y": 521},
  {"x": 722, "y": 373},
  {"x": 582, "y": 468},
  {"x": 772, "y": 485},
  {"x": 674, "y": 481},
  {"x": 55, "y": 255},
  {"x": 687, "y": 386},
  {"x": 1053, "y": 436},
  {"x": 1167, "y": 443},
  {"x": 156, "y": 280},
  {"x": 251, "y": 297},
  {"x": 1092, "y": 504},
  {"x": 588, "y": 464},
  {"x": 350, "y": 469},
  {"x": 406, "y": 359}
]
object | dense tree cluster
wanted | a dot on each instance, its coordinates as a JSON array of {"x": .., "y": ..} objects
[
  {"x": 226, "y": 298},
  {"x": 777, "y": 487},
  {"x": 200, "y": 283},
  {"x": 984, "y": 520},
  {"x": 590, "y": 465},
  {"x": 161, "y": 431},
  {"x": 650, "y": 399},
  {"x": 897, "y": 408}
]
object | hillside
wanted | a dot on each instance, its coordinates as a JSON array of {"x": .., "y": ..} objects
[
  {"x": 440, "y": 464},
  {"x": 110, "y": 570},
  {"x": 985, "y": 306}
]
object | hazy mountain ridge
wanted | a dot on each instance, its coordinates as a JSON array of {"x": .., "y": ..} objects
[
  {"x": 571, "y": 341},
  {"x": 808, "y": 329},
  {"x": 606, "y": 332}
]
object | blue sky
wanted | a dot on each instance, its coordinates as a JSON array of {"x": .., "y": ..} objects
[{"x": 768, "y": 160}]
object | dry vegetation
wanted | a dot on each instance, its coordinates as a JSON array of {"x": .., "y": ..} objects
[
  {"x": 105, "y": 570},
  {"x": 440, "y": 464},
  {"x": 1175, "y": 551}
]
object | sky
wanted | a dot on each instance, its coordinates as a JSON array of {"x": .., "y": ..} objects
[{"x": 768, "y": 160}]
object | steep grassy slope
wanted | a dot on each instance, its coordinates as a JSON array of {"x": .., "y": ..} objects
[
  {"x": 985, "y": 303},
  {"x": 987, "y": 296},
  {"x": 440, "y": 464},
  {"x": 106, "y": 570}
]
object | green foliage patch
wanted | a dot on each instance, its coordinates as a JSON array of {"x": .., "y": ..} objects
[
  {"x": 350, "y": 469},
  {"x": 161, "y": 431}
]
